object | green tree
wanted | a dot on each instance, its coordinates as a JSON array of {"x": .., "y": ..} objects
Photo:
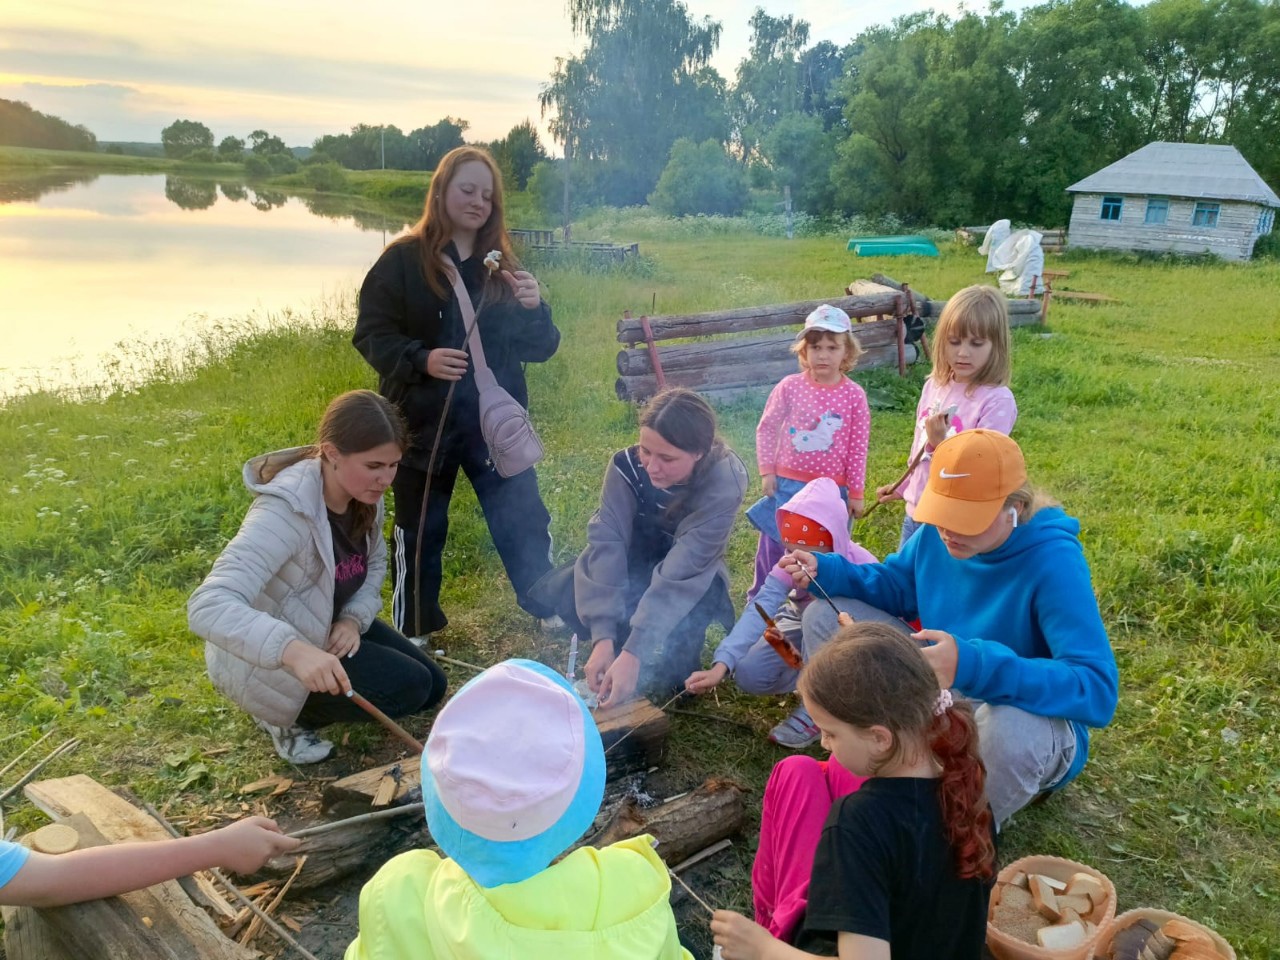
[
  {"x": 518, "y": 153},
  {"x": 769, "y": 83},
  {"x": 821, "y": 69},
  {"x": 265, "y": 144},
  {"x": 642, "y": 81},
  {"x": 1084, "y": 80},
  {"x": 20, "y": 126},
  {"x": 231, "y": 148},
  {"x": 182, "y": 137},
  {"x": 432, "y": 143},
  {"x": 801, "y": 154},
  {"x": 700, "y": 178},
  {"x": 934, "y": 119}
]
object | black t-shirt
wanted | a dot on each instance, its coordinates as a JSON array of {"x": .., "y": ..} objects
[
  {"x": 884, "y": 869},
  {"x": 350, "y": 561}
]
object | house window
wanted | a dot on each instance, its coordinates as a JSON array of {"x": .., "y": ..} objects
[
  {"x": 1206, "y": 215},
  {"x": 1157, "y": 210},
  {"x": 1266, "y": 219},
  {"x": 1111, "y": 207}
]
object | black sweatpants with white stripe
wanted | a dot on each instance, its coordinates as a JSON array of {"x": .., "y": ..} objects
[{"x": 513, "y": 509}]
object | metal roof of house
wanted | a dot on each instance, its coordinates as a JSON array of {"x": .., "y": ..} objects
[{"x": 1197, "y": 170}]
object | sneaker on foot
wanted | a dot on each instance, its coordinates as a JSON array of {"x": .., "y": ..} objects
[
  {"x": 551, "y": 624},
  {"x": 423, "y": 642},
  {"x": 797, "y": 731},
  {"x": 296, "y": 744}
]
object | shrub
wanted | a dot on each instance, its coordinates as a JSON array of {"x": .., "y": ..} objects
[
  {"x": 325, "y": 177},
  {"x": 256, "y": 167},
  {"x": 203, "y": 155},
  {"x": 283, "y": 163},
  {"x": 700, "y": 178}
]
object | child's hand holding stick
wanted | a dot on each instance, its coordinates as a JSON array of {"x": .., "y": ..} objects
[{"x": 803, "y": 568}]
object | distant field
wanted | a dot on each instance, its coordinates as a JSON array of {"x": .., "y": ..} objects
[{"x": 1153, "y": 419}]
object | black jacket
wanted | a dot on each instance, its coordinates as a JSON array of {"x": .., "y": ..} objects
[{"x": 401, "y": 320}]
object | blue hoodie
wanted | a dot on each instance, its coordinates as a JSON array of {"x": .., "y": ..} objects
[{"x": 1024, "y": 616}]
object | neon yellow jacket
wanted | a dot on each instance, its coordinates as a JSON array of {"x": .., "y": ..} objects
[{"x": 608, "y": 904}]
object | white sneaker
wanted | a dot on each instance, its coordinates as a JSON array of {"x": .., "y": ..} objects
[
  {"x": 296, "y": 744},
  {"x": 551, "y": 624},
  {"x": 423, "y": 642}
]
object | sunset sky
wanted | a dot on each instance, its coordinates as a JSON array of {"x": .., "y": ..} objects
[{"x": 301, "y": 69}]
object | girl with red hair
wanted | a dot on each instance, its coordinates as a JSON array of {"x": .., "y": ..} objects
[
  {"x": 411, "y": 331},
  {"x": 895, "y": 827}
]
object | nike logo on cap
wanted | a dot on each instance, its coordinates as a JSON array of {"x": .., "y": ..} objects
[{"x": 950, "y": 476}]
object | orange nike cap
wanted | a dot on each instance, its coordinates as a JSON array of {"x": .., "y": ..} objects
[{"x": 971, "y": 475}]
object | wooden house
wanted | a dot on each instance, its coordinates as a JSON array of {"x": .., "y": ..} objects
[{"x": 1179, "y": 197}]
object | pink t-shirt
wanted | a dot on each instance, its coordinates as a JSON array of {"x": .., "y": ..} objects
[
  {"x": 809, "y": 430},
  {"x": 987, "y": 406}
]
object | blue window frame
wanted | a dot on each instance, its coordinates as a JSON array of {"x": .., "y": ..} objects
[
  {"x": 1111, "y": 207},
  {"x": 1266, "y": 219},
  {"x": 1157, "y": 210},
  {"x": 1206, "y": 214}
]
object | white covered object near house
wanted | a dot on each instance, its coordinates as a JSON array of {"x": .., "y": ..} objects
[
  {"x": 1020, "y": 262},
  {"x": 996, "y": 234}
]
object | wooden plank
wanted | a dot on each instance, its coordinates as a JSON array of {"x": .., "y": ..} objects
[
  {"x": 120, "y": 821},
  {"x": 134, "y": 925},
  {"x": 29, "y": 936}
]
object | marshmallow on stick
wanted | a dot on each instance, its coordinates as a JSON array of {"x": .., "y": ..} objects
[{"x": 493, "y": 261}]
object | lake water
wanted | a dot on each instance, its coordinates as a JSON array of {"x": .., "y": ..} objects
[{"x": 100, "y": 272}]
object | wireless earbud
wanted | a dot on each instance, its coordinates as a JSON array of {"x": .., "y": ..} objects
[{"x": 1013, "y": 515}]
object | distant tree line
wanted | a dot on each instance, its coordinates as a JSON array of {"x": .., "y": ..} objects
[
  {"x": 20, "y": 126},
  {"x": 935, "y": 118}
]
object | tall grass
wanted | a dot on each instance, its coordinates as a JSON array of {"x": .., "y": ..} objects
[{"x": 1153, "y": 419}]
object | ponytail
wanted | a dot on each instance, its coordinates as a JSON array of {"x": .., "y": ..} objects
[{"x": 966, "y": 816}]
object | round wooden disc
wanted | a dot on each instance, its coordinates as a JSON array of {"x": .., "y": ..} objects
[{"x": 55, "y": 838}]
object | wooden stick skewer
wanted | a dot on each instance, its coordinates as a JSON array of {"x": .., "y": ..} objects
[
  {"x": 386, "y": 721},
  {"x": 14, "y": 762},
  {"x": 352, "y": 821},
  {"x": 232, "y": 889},
  {"x": 65, "y": 747}
]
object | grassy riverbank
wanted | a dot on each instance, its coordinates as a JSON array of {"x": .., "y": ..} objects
[{"x": 1152, "y": 419}]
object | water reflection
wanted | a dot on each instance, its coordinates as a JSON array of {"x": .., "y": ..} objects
[
  {"x": 88, "y": 262},
  {"x": 33, "y": 186},
  {"x": 190, "y": 194}
]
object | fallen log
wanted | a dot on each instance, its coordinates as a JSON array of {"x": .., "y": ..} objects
[
  {"x": 340, "y": 852},
  {"x": 683, "y": 826},
  {"x": 746, "y": 319},
  {"x": 635, "y": 361},
  {"x": 753, "y": 374},
  {"x": 119, "y": 821},
  {"x": 644, "y": 726},
  {"x": 1019, "y": 309}
]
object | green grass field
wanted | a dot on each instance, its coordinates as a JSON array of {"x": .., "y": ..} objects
[{"x": 1153, "y": 419}]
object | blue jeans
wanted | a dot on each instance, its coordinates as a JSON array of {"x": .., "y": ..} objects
[
  {"x": 1024, "y": 753},
  {"x": 909, "y": 527}
]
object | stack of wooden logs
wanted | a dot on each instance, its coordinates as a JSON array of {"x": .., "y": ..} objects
[{"x": 743, "y": 362}]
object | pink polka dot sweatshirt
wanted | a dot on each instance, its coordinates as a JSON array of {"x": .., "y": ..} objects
[
  {"x": 809, "y": 430},
  {"x": 987, "y": 406}
]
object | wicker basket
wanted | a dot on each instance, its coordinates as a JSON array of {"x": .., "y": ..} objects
[
  {"x": 1157, "y": 916},
  {"x": 1006, "y": 947}
]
